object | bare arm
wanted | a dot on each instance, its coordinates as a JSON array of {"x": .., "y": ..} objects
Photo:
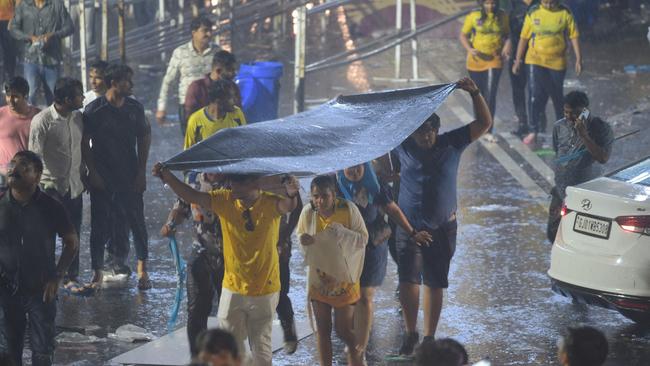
[
  {"x": 144, "y": 143},
  {"x": 483, "y": 120},
  {"x": 462, "y": 37},
  {"x": 395, "y": 213},
  {"x": 289, "y": 203},
  {"x": 70, "y": 249},
  {"x": 293, "y": 220},
  {"x": 519, "y": 56},
  {"x": 575, "y": 42},
  {"x": 182, "y": 190}
]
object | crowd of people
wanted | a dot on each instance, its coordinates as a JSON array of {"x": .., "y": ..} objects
[{"x": 98, "y": 141}]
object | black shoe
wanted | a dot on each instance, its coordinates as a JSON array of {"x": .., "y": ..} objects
[{"x": 408, "y": 343}]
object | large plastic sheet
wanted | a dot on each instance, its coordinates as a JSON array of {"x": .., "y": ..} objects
[{"x": 343, "y": 132}]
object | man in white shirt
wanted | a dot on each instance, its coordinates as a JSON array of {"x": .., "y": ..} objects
[
  {"x": 190, "y": 61},
  {"x": 55, "y": 134}
]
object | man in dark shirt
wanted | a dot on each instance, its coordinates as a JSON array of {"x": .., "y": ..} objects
[
  {"x": 116, "y": 163},
  {"x": 29, "y": 275},
  {"x": 223, "y": 68},
  {"x": 579, "y": 140},
  {"x": 427, "y": 196},
  {"x": 40, "y": 25}
]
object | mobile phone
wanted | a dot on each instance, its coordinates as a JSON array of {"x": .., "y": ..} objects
[{"x": 584, "y": 115}]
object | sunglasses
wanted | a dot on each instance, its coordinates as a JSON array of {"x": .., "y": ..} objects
[{"x": 248, "y": 224}]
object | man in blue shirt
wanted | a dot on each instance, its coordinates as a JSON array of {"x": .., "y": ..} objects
[{"x": 427, "y": 195}]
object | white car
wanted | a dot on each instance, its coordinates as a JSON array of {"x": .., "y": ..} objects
[{"x": 601, "y": 254}]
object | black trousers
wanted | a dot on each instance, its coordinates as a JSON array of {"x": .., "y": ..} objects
[
  {"x": 518, "y": 85},
  {"x": 112, "y": 215},
  {"x": 284, "y": 308},
  {"x": 204, "y": 279},
  {"x": 15, "y": 312},
  {"x": 542, "y": 84},
  {"x": 74, "y": 207},
  {"x": 488, "y": 82},
  {"x": 9, "y": 51}
]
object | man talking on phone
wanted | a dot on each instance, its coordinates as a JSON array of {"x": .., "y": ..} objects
[{"x": 579, "y": 140}]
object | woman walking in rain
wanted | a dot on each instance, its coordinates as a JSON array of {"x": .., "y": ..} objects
[
  {"x": 333, "y": 236},
  {"x": 485, "y": 36},
  {"x": 543, "y": 41}
]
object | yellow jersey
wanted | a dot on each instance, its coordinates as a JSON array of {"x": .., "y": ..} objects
[
  {"x": 336, "y": 293},
  {"x": 200, "y": 126},
  {"x": 546, "y": 31},
  {"x": 487, "y": 37},
  {"x": 250, "y": 256}
]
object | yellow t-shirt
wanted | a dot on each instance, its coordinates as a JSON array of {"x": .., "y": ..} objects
[
  {"x": 487, "y": 37},
  {"x": 337, "y": 293},
  {"x": 250, "y": 257},
  {"x": 200, "y": 126},
  {"x": 546, "y": 31}
]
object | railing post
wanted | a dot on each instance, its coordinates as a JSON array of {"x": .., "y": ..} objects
[
  {"x": 398, "y": 28},
  {"x": 300, "y": 29},
  {"x": 181, "y": 15},
  {"x": 82, "y": 43},
  {"x": 104, "y": 50},
  {"x": 121, "y": 31},
  {"x": 161, "y": 19},
  {"x": 414, "y": 42}
]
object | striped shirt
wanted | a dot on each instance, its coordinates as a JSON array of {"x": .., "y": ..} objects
[{"x": 190, "y": 65}]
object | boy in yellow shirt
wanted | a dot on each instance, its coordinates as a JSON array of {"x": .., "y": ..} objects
[
  {"x": 249, "y": 221},
  {"x": 219, "y": 114},
  {"x": 543, "y": 41},
  {"x": 485, "y": 37}
]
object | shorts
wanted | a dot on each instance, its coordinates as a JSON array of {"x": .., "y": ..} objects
[
  {"x": 428, "y": 265},
  {"x": 374, "y": 265}
]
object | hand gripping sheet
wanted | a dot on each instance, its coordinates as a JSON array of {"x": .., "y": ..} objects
[{"x": 343, "y": 132}]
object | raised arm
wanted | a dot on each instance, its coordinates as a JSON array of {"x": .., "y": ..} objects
[
  {"x": 483, "y": 120},
  {"x": 182, "y": 190}
]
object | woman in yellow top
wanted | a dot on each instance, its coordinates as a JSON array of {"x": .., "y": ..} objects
[
  {"x": 543, "y": 41},
  {"x": 333, "y": 236},
  {"x": 485, "y": 36}
]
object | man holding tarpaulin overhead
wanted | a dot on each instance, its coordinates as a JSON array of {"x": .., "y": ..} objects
[
  {"x": 427, "y": 196},
  {"x": 250, "y": 221}
]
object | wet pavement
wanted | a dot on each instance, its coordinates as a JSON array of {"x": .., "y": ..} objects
[{"x": 499, "y": 303}]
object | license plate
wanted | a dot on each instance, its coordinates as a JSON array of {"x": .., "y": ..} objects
[{"x": 593, "y": 226}]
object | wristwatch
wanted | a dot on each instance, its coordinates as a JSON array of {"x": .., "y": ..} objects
[{"x": 475, "y": 92}]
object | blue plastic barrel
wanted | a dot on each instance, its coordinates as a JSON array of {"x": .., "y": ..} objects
[{"x": 259, "y": 84}]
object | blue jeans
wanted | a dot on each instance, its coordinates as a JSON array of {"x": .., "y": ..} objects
[
  {"x": 14, "y": 313},
  {"x": 35, "y": 74}
]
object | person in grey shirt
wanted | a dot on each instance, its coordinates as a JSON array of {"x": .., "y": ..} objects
[
  {"x": 55, "y": 134},
  {"x": 579, "y": 140},
  {"x": 40, "y": 25}
]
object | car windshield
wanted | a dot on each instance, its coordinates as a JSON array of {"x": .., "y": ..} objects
[{"x": 638, "y": 173}]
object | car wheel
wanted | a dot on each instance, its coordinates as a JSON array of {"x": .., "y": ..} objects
[{"x": 639, "y": 317}]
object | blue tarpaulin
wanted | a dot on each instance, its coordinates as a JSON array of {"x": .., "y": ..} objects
[{"x": 345, "y": 131}]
